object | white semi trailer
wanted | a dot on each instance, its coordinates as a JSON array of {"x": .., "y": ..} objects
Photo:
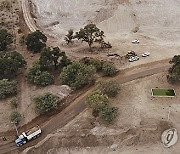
[{"x": 28, "y": 135}]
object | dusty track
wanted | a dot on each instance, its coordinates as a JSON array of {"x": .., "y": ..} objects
[{"x": 78, "y": 105}]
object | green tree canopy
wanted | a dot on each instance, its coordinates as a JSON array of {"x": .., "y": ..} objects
[
  {"x": 7, "y": 88},
  {"x": 36, "y": 41},
  {"x": 77, "y": 74},
  {"x": 174, "y": 72},
  {"x": 90, "y": 34},
  {"x": 46, "y": 102},
  {"x": 110, "y": 88},
  {"x": 50, "y": 57},
  {"x": 15, "y": 117},
  {"x": 109, "y": 69},
  {"x": 38, "y": 77},
  {"x": 97, "y": 101},
  {"x": 10, "y": 62},
  {"x": 5, "y": 39}
]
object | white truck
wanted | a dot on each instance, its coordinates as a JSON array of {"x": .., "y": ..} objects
[{"x": 28, "y": 135}]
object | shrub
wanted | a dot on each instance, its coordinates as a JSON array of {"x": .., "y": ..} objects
[
  {"x": 108, "y": 113},
  {"x": 7, "y": 88},
  {"x": 110, "y": 88},
  {"x": 38, "y": 77},
  {"x": 46, "y": 102},
  {"x": 77, "y": 75},
  {"x": 15, "y": 117},
  {"x": 109, "y": 69},
  {"x": 91, "y": 61},
  {"x": 13, "y": 102}
]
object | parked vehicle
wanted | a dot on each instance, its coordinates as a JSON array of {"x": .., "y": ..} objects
[
  {"x": 28, "y": 135},
  {"x": 135, "y": 41},
  {"x": 145, "y": 54}
]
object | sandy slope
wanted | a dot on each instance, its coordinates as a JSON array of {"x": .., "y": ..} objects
[{"x": 155, "y": 19}]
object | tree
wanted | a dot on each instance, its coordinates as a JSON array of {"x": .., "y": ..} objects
[
  {"x": 7, "y": 88},
  {"x": 110, "y": 88},
  {"x": 10, "y": 62},
  {"x": 97, "y": 101},
  {"x": 38, "y": 77},
  {"x": 45, "y": 60},
  {"x": 46, "y": 102},
  {"x": 174, "y": 72},
  {"x": 50, "y": 56},
  {"x": 90, "y": 34},
  {"x": 109, "y": 113},
  {"x": 5, "y": 39},
  {"x": 109, "y": 69},
  {"x": 36, "y": 41},
  {"x": 15, "y": 117},
  {"x": 77, "y": 75},
  {"x": 69, "y": 37}
]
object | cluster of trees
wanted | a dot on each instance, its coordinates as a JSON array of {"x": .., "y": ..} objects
[
  {"x": 174, "y": 72},
  {"x": 39, "y": 77},
  {"x": 77, "y": 75},
  {"x": 50, "y": 58},
  {"x": 89, "y": 34},
  {"x": 99, "y": 101},
  {"x": 106, "y": 67}
]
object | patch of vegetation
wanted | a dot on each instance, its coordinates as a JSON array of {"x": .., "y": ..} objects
[
  {"x": 77, "y": 75},
  {"x": 100, "y": 104},
  {"x": 38, "y": 77},
  {"x": 109, "y": 69},
  {"x": 108, "y": 114},
  {"x": 91, "y": 61},
  {"x": 174, "y": 72},
  {"x": 50, "y": 58},
  {"x": 46, "y": 102},
  {"x": 13, "y": 102},
  {"x": 36, "y": 41},
  {"x": 15, "y": 117},
  {"x": 97, "y": 101},
  {"x": 110, "y": 88},
  {"x": 10, "y": 62},
  {"x": 5, "y": 39},
  {"x": 163, "y": 92},
  {"x": 69, "y": 37},
  {"x": 7, "y": 88}
]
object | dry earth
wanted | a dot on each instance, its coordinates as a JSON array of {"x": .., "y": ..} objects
[
  {"x": 137, "y": 129},
  {"x": 154, "y": 23}
]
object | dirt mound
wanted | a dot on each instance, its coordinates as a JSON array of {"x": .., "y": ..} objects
[{"x": 101, "y": 136}]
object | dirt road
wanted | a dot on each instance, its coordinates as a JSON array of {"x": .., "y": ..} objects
[{"x": 78, "y": 105}]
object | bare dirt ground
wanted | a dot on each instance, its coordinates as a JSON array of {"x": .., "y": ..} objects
[
  {"x": 137, "y": 129},
  {"x": 152, "y": 22}
]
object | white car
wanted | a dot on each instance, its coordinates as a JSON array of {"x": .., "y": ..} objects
[
  {"x": 135, "y": 41},
  {"x": 145, "y": 54},
  {"x": 135, "y": 58}
]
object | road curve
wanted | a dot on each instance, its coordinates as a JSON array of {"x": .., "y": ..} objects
[
  {"x": 27, "y": 16},
  {"x": 78, "y": 105}
]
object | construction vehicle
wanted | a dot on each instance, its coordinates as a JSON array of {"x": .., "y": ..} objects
[{"x": 28, "y": 135}]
